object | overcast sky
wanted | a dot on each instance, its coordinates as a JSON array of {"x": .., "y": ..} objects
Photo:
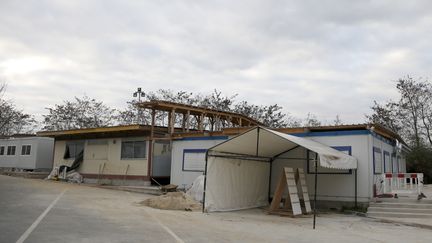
[{"x": 324, "y": 57}]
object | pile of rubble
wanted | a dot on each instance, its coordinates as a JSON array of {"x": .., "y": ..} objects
[{"x": 173, "y": 201}]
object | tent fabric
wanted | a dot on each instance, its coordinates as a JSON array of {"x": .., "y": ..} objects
[
  {"x": 234, "y": 184},
  {"x": 264, "y": 142}
]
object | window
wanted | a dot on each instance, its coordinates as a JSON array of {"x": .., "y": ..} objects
[
  {"x": 401, "y": 166},
  {"x": 387, "y": 163},
  {"x": 2, "y": 150},
  {"x": 377, "y": 160},
  {"x": 25, "y": 149},
  {"x": 133, "y": 150},
  {"x": 194, "y": 160},
  {"x": 73, "y": 149},
  {"x": 395, "y": 164},
  {"x": 11, "y": 150}
]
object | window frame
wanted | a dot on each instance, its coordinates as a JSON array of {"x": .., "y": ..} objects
[
  {"x": 193, "y": 151},
  {"x": 2, "y": 150},
  {"x": 14, "y": 150},
  {"x": 26, "y": 146},
  {"x": 75, "y": 143},
  {"x": 133, "y": 142},
  {"x": 377, "y": 150},
  {"x": 394, "y": 162},
  {"x": 385, "y": 153},
  {"x": 399, "y": 158}
]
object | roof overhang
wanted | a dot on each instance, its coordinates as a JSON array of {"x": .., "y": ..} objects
[
  {"x": 105, "y": 132},
  {"x": 262, "y": 142}
]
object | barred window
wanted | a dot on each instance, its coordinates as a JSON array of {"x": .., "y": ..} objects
[{"x": 133, "y": 150}]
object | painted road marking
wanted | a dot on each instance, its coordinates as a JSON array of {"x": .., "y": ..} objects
[
  {"x": 39, "y": 219},
  {"x": 178, "y": 239},
  {"x": 168, "y": 230}
]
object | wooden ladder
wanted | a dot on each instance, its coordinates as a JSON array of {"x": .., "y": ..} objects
[
  {"x": 302, "y": 182},
  {"x": 293, "y": 179},
  {"x": 292, "y": 203}
]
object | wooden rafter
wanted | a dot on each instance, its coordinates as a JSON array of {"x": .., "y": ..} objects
[{"x": 215, "y": 119}]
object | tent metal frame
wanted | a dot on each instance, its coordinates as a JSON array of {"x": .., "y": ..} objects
[{"x": 270, "y": 161}]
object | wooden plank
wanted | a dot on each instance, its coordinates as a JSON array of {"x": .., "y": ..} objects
[
  {"x": 303, "y": 185},
  {"x": 187, "y": 120},
  {"x": 292, "y": 191},
  {"x": 277, "y": 197}
]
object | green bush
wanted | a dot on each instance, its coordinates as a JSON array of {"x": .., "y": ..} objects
[{"x": 419, "y": 160}]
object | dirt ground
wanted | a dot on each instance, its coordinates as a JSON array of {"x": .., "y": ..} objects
[{"x": 79, "y": 213}]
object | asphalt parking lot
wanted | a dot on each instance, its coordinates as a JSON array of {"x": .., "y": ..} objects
[{"x": 42, "y": 211}]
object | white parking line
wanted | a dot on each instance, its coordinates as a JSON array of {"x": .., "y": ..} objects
[
  {"x": 168, "y": 230},
  {"x": 178, "y": 239},
  {"x": 39, "y": 219}
]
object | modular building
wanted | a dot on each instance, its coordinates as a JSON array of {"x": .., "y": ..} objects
[
  {"x": 188, "y": 158},
  {"x": 132, "y": 155},
  {"x": 114, "y": 155},
  {"x": 28, "y": 153},
  {"x": 377, "y": 150}
]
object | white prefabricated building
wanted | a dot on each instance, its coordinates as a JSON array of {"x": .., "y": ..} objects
[
  {"x": 29, "y": 153},
  {"x": 188, "y": 158}
]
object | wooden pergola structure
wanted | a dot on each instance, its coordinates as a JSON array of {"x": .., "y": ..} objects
[{"x": 204, "y": 118}]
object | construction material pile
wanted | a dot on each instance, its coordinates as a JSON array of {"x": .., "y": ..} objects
[{"x": 173, "y": 201}]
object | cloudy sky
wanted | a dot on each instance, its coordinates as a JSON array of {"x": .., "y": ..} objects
[{"x": 324, "y": 57}]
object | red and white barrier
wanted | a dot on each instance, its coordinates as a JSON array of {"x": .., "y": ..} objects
[{"x": 402, "y": 183}]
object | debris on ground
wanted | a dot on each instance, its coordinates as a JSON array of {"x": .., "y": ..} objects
[
  {"x": 169, "y": 188},
  {"x": 70, "y": 176},
  {"x": 173, "y": 201}
]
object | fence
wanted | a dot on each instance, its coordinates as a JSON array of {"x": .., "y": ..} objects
[{"x": 401, "y": 183}]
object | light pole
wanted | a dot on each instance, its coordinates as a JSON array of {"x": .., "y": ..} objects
[{"x": 139, "y": 94}]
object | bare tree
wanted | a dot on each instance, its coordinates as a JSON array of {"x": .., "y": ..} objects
[
  {"x": 411, "y": 114},
  {"x": 13, "y": 120},
  {"x": 311, "y": 121},
  {"x": 337, "y": 121},
  {"x": 79, "y": 113}
]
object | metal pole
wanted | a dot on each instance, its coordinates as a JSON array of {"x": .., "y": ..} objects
[
  {"x": 270, "y": 177},
  {"x": 258, "y": 138},
  {"x": 205, "y": 181},
  {"x": 316, "y": 185}
]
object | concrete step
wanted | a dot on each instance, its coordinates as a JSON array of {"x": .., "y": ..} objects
[
  {"x": 140, "y": 189},
  {"x": 399, "y": 215},
  {"x": 399, "y": 210},
  {"x": 405, "y": 200},
  {"x": 401, "y": 205}
]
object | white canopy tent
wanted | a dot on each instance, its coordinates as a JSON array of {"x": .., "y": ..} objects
[{"x": 238, "y": 170}]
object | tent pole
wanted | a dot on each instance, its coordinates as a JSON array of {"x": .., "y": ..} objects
[
  {"x": 205, "y": 181},
  {"x": 315, "y": 191},
  {"x": 258, "y": 137},
  {"x": 270, "y": 174},
  {"x": 355, "y": 189}
]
